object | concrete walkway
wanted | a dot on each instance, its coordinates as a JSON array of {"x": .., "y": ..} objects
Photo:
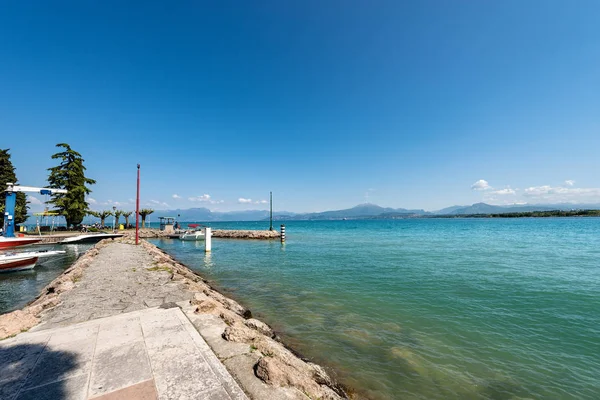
[
  {"x": 150, "y": 354},
  {"x": 120, "y": 279}
]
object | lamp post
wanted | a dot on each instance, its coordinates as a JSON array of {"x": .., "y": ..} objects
[
  {"x": 271, "y": 212},
  {"x": 114, "y": 217},
  {"x": 137, "y": 208}
]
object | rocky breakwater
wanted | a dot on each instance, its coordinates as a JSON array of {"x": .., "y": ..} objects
[
  {"x": 217, "y": 233},
  {"x": 146, "y": 233},
  {"x": 245, "y": 234}
]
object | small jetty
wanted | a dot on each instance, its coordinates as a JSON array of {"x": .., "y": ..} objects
[{"x": 217, "y": 233}]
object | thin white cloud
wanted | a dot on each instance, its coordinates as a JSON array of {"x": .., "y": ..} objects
[
  {"x": 562, "y": 194},
  {"x": 261, "y": 202},
  {"x": 504, "y": 192},
  {"x": 569, "y": 182},
  {"x": 481, "y": 184},
  {"x": 157, "y": 203},
  {"x": 241, "y": 200},
  {"x": 91, "y": 200},
  {"x": 111, "y": 203},
  {"x": 176, "y": 196},
  {"x": 203, "y": 198}
]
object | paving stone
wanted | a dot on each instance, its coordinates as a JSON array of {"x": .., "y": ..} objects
[
  {"x": 74, "y": 334},
  {"x": 61, "y": 361},
  {"x": 171, "y": 365},
  {"x": 215, "y": 394},
  {"x": 17, "y": 361},
  {"x": 119, "y": 332},
  {"x": 10, "y": 388},
  {"x": 118, "y": 367},
  {"x": 73, "y": 388},
  {"x": 141, "y": 391}
]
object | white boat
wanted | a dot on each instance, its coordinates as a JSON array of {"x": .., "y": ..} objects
[
  {"x": 91, "y": 238},
  {"x": 193, "y": 235},
  {"x": 6, "y": 242},
  {"x": 22, "y": 261}
]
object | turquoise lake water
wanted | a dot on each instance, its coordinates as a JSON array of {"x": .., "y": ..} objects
[{"x": 427, "y": 308}]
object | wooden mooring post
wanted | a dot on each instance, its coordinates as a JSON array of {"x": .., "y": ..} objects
[{"x": 282, "y": 233}]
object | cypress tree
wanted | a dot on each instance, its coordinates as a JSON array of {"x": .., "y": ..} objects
[
  {"x": 7, "y": 174},
  {"x": 70, "y": 175}
]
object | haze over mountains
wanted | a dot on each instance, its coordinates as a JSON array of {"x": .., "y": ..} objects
[{"x": 360, "y": 211}]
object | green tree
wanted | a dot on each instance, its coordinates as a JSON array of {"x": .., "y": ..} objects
[
  {"x": 103, "y": 215},
  {"x": 7, "y": 175},
  {"x": 127, "y": 215},
  {"x": 118, "y": 214},
  {"x": 70, "y": 175},
  {"x": 144, "y": 212}
]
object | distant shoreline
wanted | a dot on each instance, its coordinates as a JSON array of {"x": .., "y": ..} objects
[{"x": 526, "y": 214}]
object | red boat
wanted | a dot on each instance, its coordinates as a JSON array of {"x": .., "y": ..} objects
[
  {"x": 18, "y": 264},
  {"x": 7, "y": 243},
  {"x": 22, "y": 261}
]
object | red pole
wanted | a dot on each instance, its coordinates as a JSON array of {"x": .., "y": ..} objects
[{"x": 137, "y": 209}]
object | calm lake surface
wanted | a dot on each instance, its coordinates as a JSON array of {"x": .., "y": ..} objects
[
  {"x": 19, "y": 288},
  {"x": 427, "y": 308}
]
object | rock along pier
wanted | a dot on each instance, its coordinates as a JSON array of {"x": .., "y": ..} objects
[{"x": 129, "y": 321}]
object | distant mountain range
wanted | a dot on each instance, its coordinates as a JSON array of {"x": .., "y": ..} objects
[
  {"x": 205, "y": 215},
  {"x": 361, "y": 211},
  {"x": 483, "y": 208}
]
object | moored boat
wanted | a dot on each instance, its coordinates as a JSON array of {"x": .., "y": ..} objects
[
  {"x": 8, "y": 243},
  {"x": 193, "y": 235},
  {"x": 91, "y": 238},
  {"x": 22, "y": 261}
]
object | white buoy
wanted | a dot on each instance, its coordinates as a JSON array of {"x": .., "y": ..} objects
[{"x": 207, "y": 239}]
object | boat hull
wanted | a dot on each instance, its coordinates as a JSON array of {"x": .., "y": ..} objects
[
  {"x": 90, "y": 238},
  {"x": 18, "y": 265},
  {"x": 8, "y": 243},
  {"x": 191, "y": 238}
]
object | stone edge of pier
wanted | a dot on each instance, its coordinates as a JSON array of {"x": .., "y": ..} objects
[{"x": 247, "y": 347}]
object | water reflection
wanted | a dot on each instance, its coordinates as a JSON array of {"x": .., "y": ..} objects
[{"x": 208, "y": 263}]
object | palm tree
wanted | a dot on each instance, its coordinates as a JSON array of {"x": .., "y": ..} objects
[
  {"x": 93, "y": 213},
  {"x": 103, "y": 215},
  {"x": 118, "y": 214},
  {"x": 127, "y": 215},
  {"x": 144, "y": 212}
]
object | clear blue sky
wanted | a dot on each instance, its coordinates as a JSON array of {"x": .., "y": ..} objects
[{"x": 326, "y": 103}]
